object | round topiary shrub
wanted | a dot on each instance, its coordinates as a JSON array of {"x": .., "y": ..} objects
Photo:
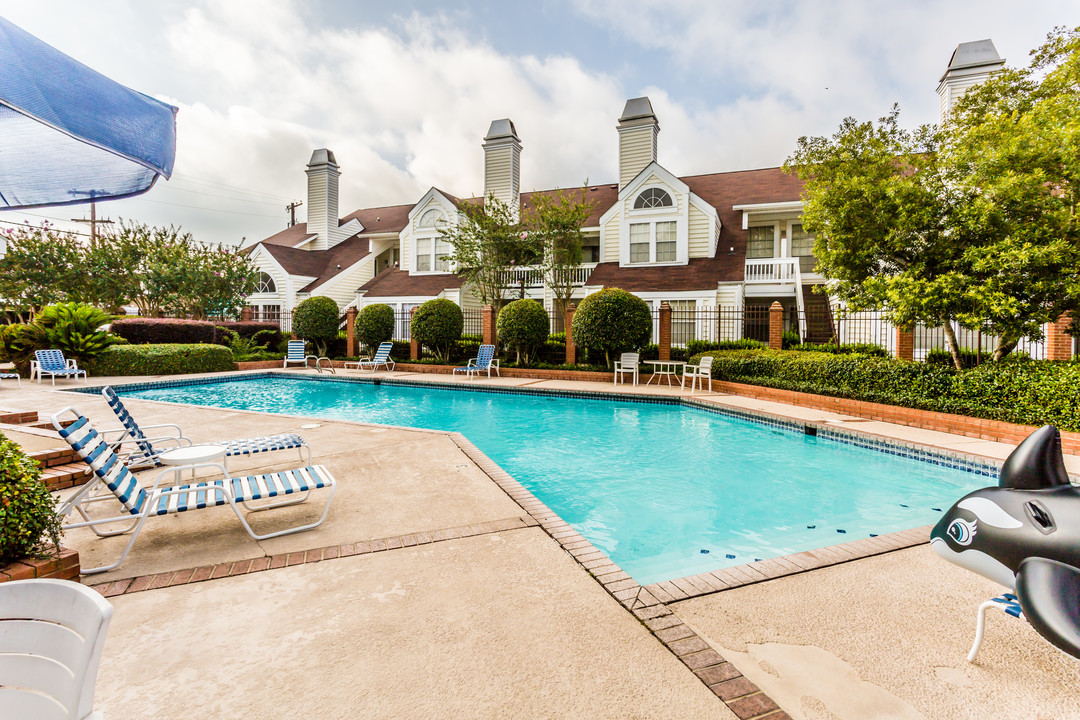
[
  {"x": 316, "y": 319},
  {"x": 375, "y": 325},
  {"x": 28, "y": 519},
  {"x": 437, "y": 324},
  {"x": 523, "y": 326},
  {"x": 612, "y": 321}
]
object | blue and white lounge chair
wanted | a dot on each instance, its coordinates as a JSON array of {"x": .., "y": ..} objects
[
  {"x": 52, "y": 363},
  {"x": 295, "y": 354},
  {"x": 11, "y": 376},
  {"x": 139, "y": 503},
  {"x": 382, "y": 357},
  {"x": 1007, "y": 603},
  {"x": 481, "y": 363},
  {"x": 147, "y": 449}
]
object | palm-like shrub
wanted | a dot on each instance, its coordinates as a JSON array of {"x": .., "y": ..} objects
[
  {"x": 28, "y": 520},
  {"x": 375, "y": 325},
  {"x": 612, "y": 321},
  {"x": 437, "y": 324},
  {"x": 316, "y": 319},
  {"x": 74, "y": 328},
  {"x": 523, "y": 327}
]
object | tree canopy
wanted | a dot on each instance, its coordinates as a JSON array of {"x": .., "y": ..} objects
[
  {"x": 973, "y": 222},
  {"x": 555, "y": 221},
  {"x": 488, "y": 240}
]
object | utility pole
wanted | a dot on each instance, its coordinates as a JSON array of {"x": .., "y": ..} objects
[
  {"x": 291, "y": 209},
  {"x": 93, "y": 223}
]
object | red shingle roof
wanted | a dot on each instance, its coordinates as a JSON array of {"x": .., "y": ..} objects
[
  {"x": 399, "y": 283},
  {"x": 698, "y": 274}
]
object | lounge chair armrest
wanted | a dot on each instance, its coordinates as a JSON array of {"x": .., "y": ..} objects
[{"x": 179, "y": 432}]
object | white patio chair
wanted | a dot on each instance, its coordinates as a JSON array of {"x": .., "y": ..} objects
[
  {"x": 139, "y": 503},
  {"x": 53, "y": 364},
  {"x": 702, "y": 371},
  {"x": 51, "y": 636},
  {"x": 382, "y": 357},
  {"x": 627, "y": 363},
  {"x": 296, "y": 356}
]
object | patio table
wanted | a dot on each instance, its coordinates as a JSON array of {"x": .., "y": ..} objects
[
  {"x": 665, "y": 368},
  {"x": 193, "y": 455}
]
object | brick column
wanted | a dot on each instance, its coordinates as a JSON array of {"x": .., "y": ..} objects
[
  {"x": 905, "y": 344},
  {"x": 488, "y": 316},
  {"x": 351, "y": 348},
  {"x": 414, "y": 347},
  {"x": 665, "y": 331},
  {"x": 247, "y": 314},
  {"x": 571, "y": 349},
  {"x": 776, "y": 326},
  {"x": 1058, "y": 342}
]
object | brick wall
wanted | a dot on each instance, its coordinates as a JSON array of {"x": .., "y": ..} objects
[
  {"x": 1058, "y": 344},
  {"x": 64, "y": 567}
]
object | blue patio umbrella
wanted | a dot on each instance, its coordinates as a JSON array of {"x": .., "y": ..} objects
[{"x": 68, "y": 134}]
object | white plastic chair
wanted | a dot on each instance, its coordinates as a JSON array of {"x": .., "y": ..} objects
[
  {"x": 51, "y": 636},
  {"x": 702, "y": 371},
  {"x": 627, "y": 363},
  {"x": 295, "y": 354}
]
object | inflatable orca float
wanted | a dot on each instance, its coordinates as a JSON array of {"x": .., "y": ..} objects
[{"x": 1025, "y": 534}]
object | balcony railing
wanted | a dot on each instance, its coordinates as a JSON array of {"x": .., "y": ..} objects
[
  {"x": 533, "y": 277},
  {"x": 772, "y": 270}
]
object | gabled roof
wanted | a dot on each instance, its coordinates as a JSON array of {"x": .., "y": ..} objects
[
  {"x": 388, "y": 219},
  {"x": 601, "y": 197},
  {"x": 399, "y": 283},
  {"x": 698, "y": 274},
  {"x": 322, "y": 265}
]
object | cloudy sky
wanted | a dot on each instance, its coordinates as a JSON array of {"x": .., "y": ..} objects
[{"x": 403, "y": 92}]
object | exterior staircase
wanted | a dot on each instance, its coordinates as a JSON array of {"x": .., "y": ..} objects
[
  {"x": 819, "y": 319},
  {"x": 61, "y": 468}
]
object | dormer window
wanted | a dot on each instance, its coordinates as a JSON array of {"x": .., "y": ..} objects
[
  {"x": 265, "y": 284},
  {"x": 652, "y": 198},
  {"x": 432, "y": 248}
]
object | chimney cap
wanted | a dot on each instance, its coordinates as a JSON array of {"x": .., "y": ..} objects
[
  {"x": 637, "y": 108},
  {"x": 503, "y": 128},
  {"x": 322, "y": 156},
  {"x": 974, "y": 54}
]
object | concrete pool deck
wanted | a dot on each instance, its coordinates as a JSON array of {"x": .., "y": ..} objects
[{"x": 469, "y": 609}]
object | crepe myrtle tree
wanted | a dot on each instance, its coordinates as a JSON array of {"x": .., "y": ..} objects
[
  {"x": 973, "y": 223},
  {"x": 554, "y": 222},
  {"x": 487, "y": 241}
]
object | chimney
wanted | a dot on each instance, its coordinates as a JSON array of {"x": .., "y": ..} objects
[
  {"x": 638, "y": 128},
  {"x": 502, "y": 163},
  {"x": 322, "y": 198},
  {"x": 970, "y": 64}
]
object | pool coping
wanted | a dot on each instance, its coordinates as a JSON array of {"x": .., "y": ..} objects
[{"x": 648, "y": 603}]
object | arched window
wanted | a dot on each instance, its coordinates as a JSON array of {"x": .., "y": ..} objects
[
  {"x": 265, "y": 284},
  {"x": 652, "y": 198},
  {"x": 431, "y": 218}
]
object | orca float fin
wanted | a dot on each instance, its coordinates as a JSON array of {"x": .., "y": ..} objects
[
  {"x": 1049, "y": 594},
  {"x": 1036, "y": 463}
]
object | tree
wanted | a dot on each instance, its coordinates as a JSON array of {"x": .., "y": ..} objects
[
  {"x": 973, "y": 223},
  {"x": 42, "y": 266},
  {"x": 555, "y": 223},
  {"x": 375, "y": 324},
  {"x": 487, "y": 240},
  {"x": 612, "y": 321},
  {"x": 316, "y": 319},
  {"x": 523, "y": 326},
  {"x": 437, "y": 324}
]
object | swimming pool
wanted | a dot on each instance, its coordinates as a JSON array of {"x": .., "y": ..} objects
[{"x": 666, "y": 490}]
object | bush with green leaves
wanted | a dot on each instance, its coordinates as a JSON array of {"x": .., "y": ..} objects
[
  {"x": 73, "y": 328},
  {"x": 316, "y": 320},
  {"x": 523, "y": 327},
  {"x": 437, "y": 325},
  {"x": 375, "y": 325},
  {"x": 847, "y": 349},
  {"x": 172, "y": 359},
  {"x": 1018, "y": 390},
  {"x": 29, "y": 524},
  {"x": 612, "y": 321}
]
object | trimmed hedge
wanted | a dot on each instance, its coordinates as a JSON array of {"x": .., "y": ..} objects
[
  {"x": 437, "y": 324},
  {"x": 612, "y": 321},
  {"x": 523, "y": 327},
  {"x": 145, "y": 331},
  {"x": 1020, "y": 390},
  {"x": 171, "y": 359},
  {"x": 316, "y": 320},
  {"x": 29, "y": 524},
  {"x": 375, "y": 324}
]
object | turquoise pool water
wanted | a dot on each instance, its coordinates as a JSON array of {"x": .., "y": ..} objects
[{"x": 665, "y": 490}]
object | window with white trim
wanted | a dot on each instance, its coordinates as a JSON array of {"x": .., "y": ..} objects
[
  {"x": 760, "y": 243},
  {"x": 653, "y": 242},
  {"x": 652, "y": 198},
  {"x": 802, "y": 247},
  {"x": 265, "y": 284},
  {"x": 432, "y": 251}
]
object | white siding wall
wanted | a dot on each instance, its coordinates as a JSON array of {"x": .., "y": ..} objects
[
  {"x": 700, "y": 239},
  {"x": 469, "y": 300},
  {"x": 637, "y": 148},
  {"x": 609, "y": 248},
  {"x": 502, "y": 173}
]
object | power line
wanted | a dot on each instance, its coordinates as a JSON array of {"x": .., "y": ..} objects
[
  {"x": 37, "y": 227},
  {"x": 206, "y": 181},
  {"x": 199, "y": 207},
  {"x": 223, "y": 197}
]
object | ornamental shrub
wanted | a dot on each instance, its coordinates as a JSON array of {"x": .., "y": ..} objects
[
  {"x": 523, "y": 327},
  {"x": 248, "y": 328},
  {"x": 143, "y": 331},
  {"x": 71, "y": 327},
  {"x": 375, "y": 325},
  {"x": 172, "y": 359},
  {"x": 316, "y": 319},
  {"x": 28, "y": 519},
  {"x": 437, "y": 324},
  {"x": 612, "y": 321}
]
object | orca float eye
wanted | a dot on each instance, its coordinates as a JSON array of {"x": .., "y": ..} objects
[{"x": 962, "y": 531}]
